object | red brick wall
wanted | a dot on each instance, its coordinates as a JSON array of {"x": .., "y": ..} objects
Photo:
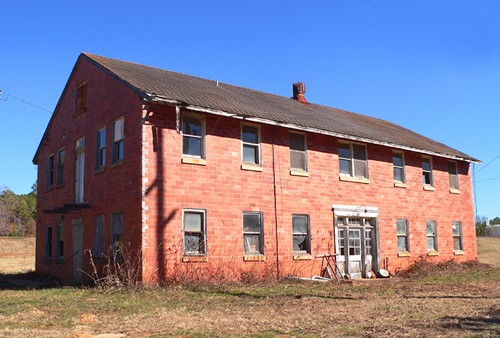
[
  {"x": 225, "y": 191},
  {"x": 115, "y": 189}
]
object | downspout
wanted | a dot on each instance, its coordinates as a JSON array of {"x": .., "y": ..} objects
[{"x": 275, "y": 208}]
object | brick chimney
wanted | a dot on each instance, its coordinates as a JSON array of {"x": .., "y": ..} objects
[{"x": 299, "y": 89}]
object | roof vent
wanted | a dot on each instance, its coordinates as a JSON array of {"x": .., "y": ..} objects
[{"x": 299, "y": 89}]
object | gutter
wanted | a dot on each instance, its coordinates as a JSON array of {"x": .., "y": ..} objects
[{"x": 158, "y": 99}]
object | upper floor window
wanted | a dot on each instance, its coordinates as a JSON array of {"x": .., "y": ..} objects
[
  {"x": 431, "y": 232},
  {"x": 50, "y": 170},
  {"x": 453, "y": 175},
  {"x": 298, "y": 151},
  {"x": 81, "y": 99},
  {"x": 427, "y": 172},
  {"x": 250, "y": 143},
  {"x": 118, "y": 139},
  {"x": 301, "y": 234},
  {"x": 195, "y": 232},
  {"x": 353, "y": 160},
  {"x": 60, "y": 166},
  {"x": 398, "y": 165},
  {"x": 253, "y": 233},
  {"x": 100, "y": 160},
  {"x": 457, "y": 236},
  {"x": 193, "y": 135}
]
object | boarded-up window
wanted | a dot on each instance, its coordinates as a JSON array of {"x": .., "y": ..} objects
[
  {"x": 453, "y": 175},
  {"x": 81, "y": 99},
  {"x": 194, "y": 232},
  {"x": 298, "y": 151},
  {"x": 98, "y": 245}
]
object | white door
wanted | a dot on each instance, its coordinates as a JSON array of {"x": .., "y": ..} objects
[
  {"x": 354, "y": 252},
  {"x": 79, "y": 169},
  {"x": 77, "y": 236}
]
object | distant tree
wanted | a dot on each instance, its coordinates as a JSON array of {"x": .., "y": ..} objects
[
  {"x": 495, "y": 220},
  {"x": 17, "y": 213},
  {"x": 481, "y": 222}
]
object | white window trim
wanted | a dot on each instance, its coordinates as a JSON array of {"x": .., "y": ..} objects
[
  {"x": 98, "y": 148},
  {"x": 205, "y": 233},
  {"x": 186, "y": 157},
  {"x": 352, "y": 177},
  {"x": 259, "y": 145},
  {"x": 460, "y": 236},
  {"x": 299, "y": 171},
  {"x": 308, "y": 235}
]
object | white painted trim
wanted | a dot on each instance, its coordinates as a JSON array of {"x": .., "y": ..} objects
[{"x": 355, "y": 211}]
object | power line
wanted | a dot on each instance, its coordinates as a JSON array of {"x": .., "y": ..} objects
[{"x": 24, "y": 101}]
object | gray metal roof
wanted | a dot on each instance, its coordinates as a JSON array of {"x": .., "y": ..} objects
[{"x": 191, "y": 91}]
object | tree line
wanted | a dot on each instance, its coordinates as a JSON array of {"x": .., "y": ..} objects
[
  {"x": 482, "y": 227},
  {"x": 17, "y": 212}
]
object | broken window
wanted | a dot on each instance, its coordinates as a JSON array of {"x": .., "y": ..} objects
[
  {"x": 398, "y": 167},
  {"x": 253, "y": 233},
  {"x": 60, "y": 166},
  {"x": 301, "y": 234},
  {"x": 298, "y": 151},
  {"x": 427, "y": 171},
  {"x": 100, "y": 160},
  {"x": 98, "y": 245},
  {"x": 353, "y": 160},
  {"x": 431, "y": 236},
  {"x": 118, "y": 139},
  {"x": 453, "y": 175},
  {"x": 195, "y": 230},
  {"x": 250, "y": 142},
  {"x": 457, "y": 235},
  {"x": 403, "y": 235},
  {"x": 193, "y": 134}
]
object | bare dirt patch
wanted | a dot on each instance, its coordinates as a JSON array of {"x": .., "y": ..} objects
[{"x": 17, "y": 254}]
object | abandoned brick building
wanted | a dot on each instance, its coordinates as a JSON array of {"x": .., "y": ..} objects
[{"x": 199, "y": 175}]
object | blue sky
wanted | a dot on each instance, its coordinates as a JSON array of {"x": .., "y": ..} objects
[{"x": 432, "y": 66}]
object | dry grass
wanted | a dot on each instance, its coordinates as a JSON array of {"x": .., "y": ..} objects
[
  {"x": 17, "y": 254},
  {"x": 488, "y": 249}
]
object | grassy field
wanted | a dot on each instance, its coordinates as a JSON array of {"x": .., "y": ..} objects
[
  {"x": 17, "y": 254},
  {"x": 446, "y": 302}
]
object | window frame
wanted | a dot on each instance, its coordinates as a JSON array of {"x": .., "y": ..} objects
[
  {"x": 453, "y": 176},
  {"x": 202, "y": 232},
  {"x": 260, "y": 234},
  {"x": 352, "y": 160},
  {"x": 99, "y": 223},
  {"x": 49, "y": 233},
  {"x": 60, "y": 166},
  {"x": 257, "y": 146},
  {"x": 405, "y": 235},
  {"x": 429, "y": 172},
  {"x": 50, "y": 171},
  {"x": 117, "y": 229},
  {"x": 60, "y": 241},
  {"x": 434, "y": 236},
  {"x": 296, "y": 151},
  {"x": 118, "y": 149},
  {"x": 458, "y": 236},
  {"x": 401, "y": 167},
  {"x": 201, "y": 137},
  {"x": 100, "y": 156},
  {"x": 307, "y": 235}
]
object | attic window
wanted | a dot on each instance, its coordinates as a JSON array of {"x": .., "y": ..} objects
[{"x": 81, "y": 99}]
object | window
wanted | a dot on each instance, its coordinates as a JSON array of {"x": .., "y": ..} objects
[
  {"x": 403, "y": 235},
  {"x": 398, "y": 167},
  {"x": 457, "y": 236},
  {"x": 48, "y": 242},
  {"x": 60, "y": 240},
  {"x": 194, "y": 232},
  {"x": 453, "y": 175},
  {"x": 298, "y": 152},
  {"x": 100, "y": 160},
  {"x": 118, "y": 137},
  {"x": 50, "y": 171},
  {"x": 79, "y": 170},
  {"x": 250, "y": 140},
  {"x": 98, "y": 245},
  {"x": 353, "y": 160},
  {"x": 427, "y": 172},
  {"x": 81, "y": 99},
  {"x": 431, "y": 236},
  {"x": 301, "y": 234},
  {"x": 60, "y": 166},
  {"x": 116, "y": 232},
  {"x": 253, "y": 233},
  {"x": 340, "y": 242},
  {"x": 193, "y": 134}
]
